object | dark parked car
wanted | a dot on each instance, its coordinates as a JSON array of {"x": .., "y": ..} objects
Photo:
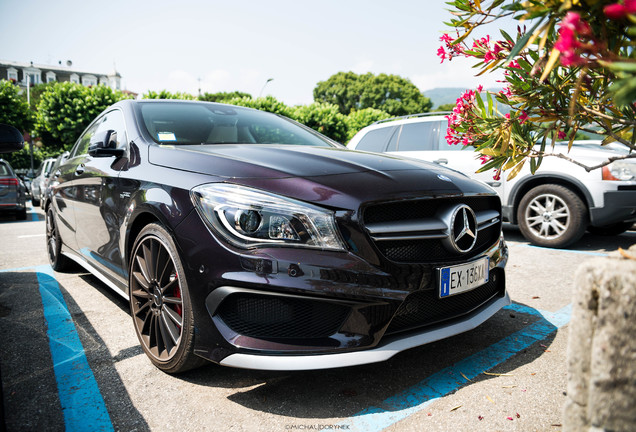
[
  {"x": 247, "y": 239},
  {"x": 12, "y": 192}
]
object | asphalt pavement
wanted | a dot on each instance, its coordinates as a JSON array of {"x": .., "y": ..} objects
[{"x": 70, "y": 360}]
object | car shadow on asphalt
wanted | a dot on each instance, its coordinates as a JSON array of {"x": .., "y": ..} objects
[
  {"x": 344, "y": 392},
  {"x": 28, "y": 376},
  {"x": 587, "y": 243}
]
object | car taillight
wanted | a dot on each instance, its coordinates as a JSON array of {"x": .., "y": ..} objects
[{"x": 9, "y": 181}]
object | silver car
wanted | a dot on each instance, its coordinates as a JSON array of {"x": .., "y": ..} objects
[
  {"x": 36, "y": 185},
  {"x": 553, "y": 207}
]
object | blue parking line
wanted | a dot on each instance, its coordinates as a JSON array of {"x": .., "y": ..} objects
[
  {"x": 424, "y": 393},
  {"x": 82, "y": 403}
]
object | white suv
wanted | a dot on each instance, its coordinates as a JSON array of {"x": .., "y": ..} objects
[{"x": 553, "y": 208}]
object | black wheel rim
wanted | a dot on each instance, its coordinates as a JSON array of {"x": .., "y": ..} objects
[
  {"x": 51, "y": 236},
  {"x": 156, "y": 300}
]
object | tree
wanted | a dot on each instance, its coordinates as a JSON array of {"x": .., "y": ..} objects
[
  {"x": 15, "y": 110},
  {"x": 324, "y": 118},
  {"x": 390, "y": 93},
  {"x": 573, "y": 70},
  {"x": 223, "y": 96},
  {"x": 268, "y": 103},
  {"x": 165, "y": 94},
  {"x": 66, "y": 109}
]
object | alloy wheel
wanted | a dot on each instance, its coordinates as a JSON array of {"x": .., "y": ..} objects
[
  {"x": 156, "y": 299},
  {"x": 548, "y": 216}
]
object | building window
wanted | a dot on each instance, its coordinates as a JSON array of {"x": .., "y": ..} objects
[
  {"x": 50, "y": 77},
  {"x": 89, "y": 80},
  {"x": 34, "y": 76},
  {"x": 75, "y": 78},
  {"x": 12, "y": 75}
]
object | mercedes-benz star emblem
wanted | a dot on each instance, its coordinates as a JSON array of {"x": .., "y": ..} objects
[{"x": 463, "y": 229}]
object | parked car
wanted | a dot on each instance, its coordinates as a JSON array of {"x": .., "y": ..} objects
[
  {"x": 12, "y": 192},
  {"x": 553, "y": 207},
  {"x": 51, "y": 180},
  {"x": 247, "y": 239},
  {"x": 36, "y": 184}
]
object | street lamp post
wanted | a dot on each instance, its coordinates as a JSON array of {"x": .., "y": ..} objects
[{"x": 265, "y": 85}]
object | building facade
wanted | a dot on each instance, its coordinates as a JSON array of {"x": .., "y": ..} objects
[{"x": 21, "y": 73}]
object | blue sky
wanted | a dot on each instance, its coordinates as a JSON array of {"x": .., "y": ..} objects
[{"x": 236, "y": 45}]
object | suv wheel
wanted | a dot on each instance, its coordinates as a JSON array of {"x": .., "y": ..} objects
[{"x": 552, "y": 216}]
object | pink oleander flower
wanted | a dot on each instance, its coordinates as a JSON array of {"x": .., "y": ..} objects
[
  {"x": 561, "y": 135},
  {"x": 497, "y": 175},
  {"x": 499, "y": 46},
  {"x": 441, "y": 53},
  {"x": 618, "y": 11},
  {"x": 506, "y": 92},
  {"x": 507, "y": 116},
  {"x": 523, "y": 117},
  {"x": 485, "y": 159},
  {"x": 568, "y": 42},
  {"x": 615, "y": 11},
  {"x": 480, "y": 88},
  {"x": 489, "y": 56}
]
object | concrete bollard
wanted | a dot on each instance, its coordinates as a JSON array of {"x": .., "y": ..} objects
[{"x": 601, "y": 393}]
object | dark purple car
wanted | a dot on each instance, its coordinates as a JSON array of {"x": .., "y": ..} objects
[{"x": 247, "y": 239}]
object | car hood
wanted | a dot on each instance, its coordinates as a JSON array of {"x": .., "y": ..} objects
[{"x": 325, "y": 175}]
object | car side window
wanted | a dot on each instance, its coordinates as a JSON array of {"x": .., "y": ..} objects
[
  {"x": 81, "y": 146},
  {"x": 375, "y": 140},
  {"x": 419, "y": 136},
  {"x": 114, "y": 120},
  {"x": 443, "y": 144}
]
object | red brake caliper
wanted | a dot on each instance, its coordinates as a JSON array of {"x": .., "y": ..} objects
[{"x": 177, "y": 294}]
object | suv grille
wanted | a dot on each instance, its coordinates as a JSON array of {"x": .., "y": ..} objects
[{"x": 414, "y": 232}]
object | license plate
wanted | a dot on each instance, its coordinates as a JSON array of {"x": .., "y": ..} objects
[{"x": 464, "y": 277}]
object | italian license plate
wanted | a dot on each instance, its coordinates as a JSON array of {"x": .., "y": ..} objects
[{"x": 464, "y": 277}]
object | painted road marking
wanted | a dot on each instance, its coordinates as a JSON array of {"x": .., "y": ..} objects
[
  {"x": 82, "y": 403},
  {"x": 424, "y": 393},
  {"x": 84, "y": 407}
]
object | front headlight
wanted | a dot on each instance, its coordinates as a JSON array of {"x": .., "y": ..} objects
[
  {"x": 620, "y": 170},
  {"x": 249, "y": 217}
]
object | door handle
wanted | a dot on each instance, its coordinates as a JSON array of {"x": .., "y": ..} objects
[
  {"x": 441, "y": 161},
  {"x": 80, "y": 169}
]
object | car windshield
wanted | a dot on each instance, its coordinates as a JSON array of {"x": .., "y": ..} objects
[{"x": 183, "y": 123}]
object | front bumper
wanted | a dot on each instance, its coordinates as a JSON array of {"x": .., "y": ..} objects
[
  {"x": 384, "y": 351},
  {"x": 619, "y": 206},
  {"x": 295, "y": 309}
]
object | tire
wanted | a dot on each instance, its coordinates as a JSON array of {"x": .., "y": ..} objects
[
  {"x": 611, "y": 230},
  {"x": 552, "y": 216},
  {"x": 160, "y": 302},
  {"x": 59, "y": 262}
]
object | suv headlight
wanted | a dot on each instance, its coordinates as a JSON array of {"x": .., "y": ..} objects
[
  {"x": 249, "y": 217},
  {"x": 620, "y": 170}
]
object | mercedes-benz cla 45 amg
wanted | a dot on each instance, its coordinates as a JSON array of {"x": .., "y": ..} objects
[{"x": 244, "y": 238}]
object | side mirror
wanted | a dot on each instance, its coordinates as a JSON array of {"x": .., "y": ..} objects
[
  {"x": 10, "y": 139},
  {"x": 104, "y": 144}
]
